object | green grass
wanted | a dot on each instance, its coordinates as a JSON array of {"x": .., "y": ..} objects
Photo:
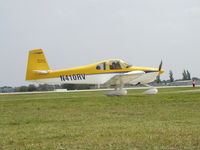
[{"x": 90, "y": 120}]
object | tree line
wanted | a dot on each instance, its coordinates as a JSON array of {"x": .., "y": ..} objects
[
  {"x": 185, "y": 76},
  {"x": 44, "y": 87}
]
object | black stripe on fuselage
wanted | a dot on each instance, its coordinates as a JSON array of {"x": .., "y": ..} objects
[{"x": 121, "y": 72}]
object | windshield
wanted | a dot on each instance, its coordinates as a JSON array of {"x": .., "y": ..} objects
[{"x": 128, "y": 65}]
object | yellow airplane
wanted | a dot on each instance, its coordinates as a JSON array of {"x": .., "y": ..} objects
[{"x": 108, "y": 72}]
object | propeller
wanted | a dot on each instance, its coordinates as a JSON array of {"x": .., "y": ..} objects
[
  {"x": 160, "y": 66},
  {"x": 159, "y": 69}
]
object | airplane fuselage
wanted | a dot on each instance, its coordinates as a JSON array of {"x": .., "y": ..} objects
[{"x": 79, "y": 75}]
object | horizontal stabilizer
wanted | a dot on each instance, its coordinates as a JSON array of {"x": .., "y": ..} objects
[{"x": 41, "y": 71}]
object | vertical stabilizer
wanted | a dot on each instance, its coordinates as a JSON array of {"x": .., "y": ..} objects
[{"x": 36, "y": 63}]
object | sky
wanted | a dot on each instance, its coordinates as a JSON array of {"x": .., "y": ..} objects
[{"x": 80, "y": 32}]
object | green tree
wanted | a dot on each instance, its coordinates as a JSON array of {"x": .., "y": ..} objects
[
  {"x": 195, "y": 78},
  {"x": 32, "y": 88},
  {"x": 188, "y": 75},
  {"x": 171, "y": 78},
  {"x": 45, "y": 87},
  {"x": 22, "y": 89},
  {"x": 184, "y": 75},
  {"x": 158, "y": 79}
]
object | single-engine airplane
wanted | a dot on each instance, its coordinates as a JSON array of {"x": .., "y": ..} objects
[{"x": 108, "y": 72}]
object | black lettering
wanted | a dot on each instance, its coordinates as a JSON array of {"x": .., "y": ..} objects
[
  {"x": 41, "y": 61},
  {"x": 74, "y": 77},
  {"x": 70, "y": 77},
  {"x": 62, "y": 78},
  {"x": 79, "y": 77},
  {"x": 66, "y": 77},
  {"x": 83, "y": 76}
]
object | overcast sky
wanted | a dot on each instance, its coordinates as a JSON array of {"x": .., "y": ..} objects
[{"x": 79, "y": 32}]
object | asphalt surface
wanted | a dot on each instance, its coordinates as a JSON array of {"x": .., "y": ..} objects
[{"x": 105, "y": 89}]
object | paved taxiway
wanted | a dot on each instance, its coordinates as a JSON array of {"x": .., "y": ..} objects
[{"x": 105, "y": 89}]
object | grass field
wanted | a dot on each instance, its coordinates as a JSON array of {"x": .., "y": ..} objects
[{"x": 90, "y": 120}]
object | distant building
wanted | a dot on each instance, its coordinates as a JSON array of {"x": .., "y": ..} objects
[
  {"x": 6, "y": 90},
  {"x": 183, "y": 83}
]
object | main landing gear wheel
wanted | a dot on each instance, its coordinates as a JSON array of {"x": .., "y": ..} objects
[
  {"x": 121, "y": 92},
  {"x": 151, "y": 91}
]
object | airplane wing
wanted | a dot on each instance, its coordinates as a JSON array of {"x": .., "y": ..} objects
[{"x": 124, "y": 78}]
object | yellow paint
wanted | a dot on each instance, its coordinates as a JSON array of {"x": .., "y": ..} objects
[{"x": 37, "y": 61}]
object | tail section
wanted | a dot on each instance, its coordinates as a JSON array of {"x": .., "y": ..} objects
[{"x": 37, "y": 64}]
